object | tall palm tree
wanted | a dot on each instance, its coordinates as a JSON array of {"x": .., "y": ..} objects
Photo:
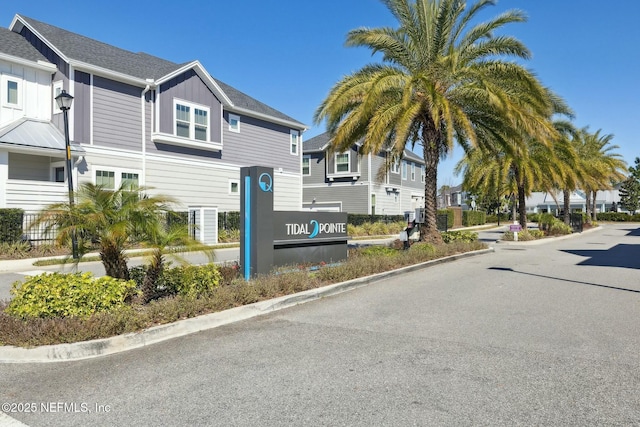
[
  {"x": 442, "y": 79},
  {"x": 601, "y": 165},
  {"x": 112, "y": 219}
]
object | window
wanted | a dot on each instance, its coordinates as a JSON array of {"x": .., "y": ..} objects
[
  {"x": 106, "y": 179},
  {"x": 12, "y": 91},
  {"x": 413, "y": 171},
  {"x": 295, "y": 141},
  {"x": 422, "y": 174},
  {"x": 395, "y": 165},
  {"x": 234, "y": 123},
  {"x": 191, "y": 121},
  {"x": 306, "y": 165},
  {"x": 129, "y": 179},
  {"x": 58, "y": 174},
  {"x": 57, "y": 90},
  {"x": 404, "y": 169},
  {"x": 373, "y": 204},
  {"x": 342, "y": 163},
  {"x": 234, "y": 186},
  {"x": 113, "y": 178}
]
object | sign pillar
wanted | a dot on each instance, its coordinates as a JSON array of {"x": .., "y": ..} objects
[{"x": 256, "y": 222}]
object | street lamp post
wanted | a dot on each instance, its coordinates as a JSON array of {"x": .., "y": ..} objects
[{"x": 64, "y": 101}]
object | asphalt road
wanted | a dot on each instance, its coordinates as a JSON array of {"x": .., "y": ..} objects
[{"x": 529, "y": 335}]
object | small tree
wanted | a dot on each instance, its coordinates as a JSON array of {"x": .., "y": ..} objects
[
  {"x": 630, "y": 189},
  {"x": 110, "y": 219}
]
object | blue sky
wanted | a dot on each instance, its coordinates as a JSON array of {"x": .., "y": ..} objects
[{"x": 289, "y": 53}]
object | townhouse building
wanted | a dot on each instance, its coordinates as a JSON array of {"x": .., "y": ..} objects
[
  {"x": 359, "y": 183},
  {"x": 135, "y": 118}
]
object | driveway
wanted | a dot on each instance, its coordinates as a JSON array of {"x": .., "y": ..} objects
[{"x": 529, "y": 335}]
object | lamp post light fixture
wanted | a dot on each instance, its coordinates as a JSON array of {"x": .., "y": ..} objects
[{"x": 64, "y": 101}]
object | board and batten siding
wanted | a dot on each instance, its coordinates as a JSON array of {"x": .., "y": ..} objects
[
  {"x": 260, "y": 143},
  {"x": 117, "y": 118},
  {"x": 35, "y": 96},
  {"x": 81, "y": 107},
  {"x": 190, "y": 88},
  {"x": 287, "y": 193}
]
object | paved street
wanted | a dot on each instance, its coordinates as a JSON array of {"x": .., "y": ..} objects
[{"x": 543, "y": 334}]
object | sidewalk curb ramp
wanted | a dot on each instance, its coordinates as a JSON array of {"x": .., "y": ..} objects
[{"x": 106, "y": 346}]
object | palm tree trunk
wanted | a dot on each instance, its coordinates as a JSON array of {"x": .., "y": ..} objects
[
  {"x": 522, "y": 208},
  {"x": 593, "y": 209},
  {"x": 587, "y": 194},
  {"x": 114, "y": 262},
  {"x": 567, "y": 206},
  {"x": 431, "y": 155}
]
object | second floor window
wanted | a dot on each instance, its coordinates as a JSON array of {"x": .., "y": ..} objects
[
  {"x": 413, "y": 171},
  {"x": 342, "y": 163},
  {"x": 395, "y": 165},
  {"x": 306, "y": 165},
  {"x": 404, "y": 170},
  {"x": 295, "y": 141},
  {"x": 192, "y": 121},
  {"x": 11, "y": 91}
]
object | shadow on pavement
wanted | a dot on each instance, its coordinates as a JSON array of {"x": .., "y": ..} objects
[
  {"x": 625, "y": 256},
  {"x": 564, "y": 280}
]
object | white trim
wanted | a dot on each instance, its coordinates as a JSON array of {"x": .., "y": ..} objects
[
  {"x": 55, "y": 165},
  {"x": 72, "y": 92},
  {"x": 192, "y": 119},
  {"x": 405, "y": 170},
  {"x": 305, "y": 156},
  {"x": 335, "y": 163},
  {"x": 235, "y": 117},
  {"x": 185, "y": 142},
  {"x": 117, "y": 173},
  {"x": 58, "y": 84},
  {"x": 39, "y": 64},
  {"x": 231, "y": 182},
  {"x": 91, "y": 109},
  {"x": 294, "y": 135}
]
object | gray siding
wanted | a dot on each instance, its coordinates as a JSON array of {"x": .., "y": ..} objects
[
  {"x": 29, "y": 167},
  {"x": 354, "y": 197},
  {"x": 116, "y": 114},
  {"x": 81, "y": 110},
  {"x": 316, "y": 168},
  {"x": 259, "y": 143},
  {"x": 188, "y": 87}
]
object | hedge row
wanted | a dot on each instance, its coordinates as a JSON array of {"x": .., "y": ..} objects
[
  {"x": 470, "y": 218},
  {"x": 618, "y": 216},
  {"x": 11, "y": 225}
]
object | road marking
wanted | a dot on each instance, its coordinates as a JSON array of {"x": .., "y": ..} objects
[{"x": 32, "y": 272}]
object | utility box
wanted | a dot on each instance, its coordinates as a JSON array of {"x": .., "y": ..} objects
[
  {"x": 420, "y": 216},
  {"x": 204, "y": 223}
]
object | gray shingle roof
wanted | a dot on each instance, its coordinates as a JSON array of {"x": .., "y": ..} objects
[
  {"x": 140, "y": 65},
  {"x": 15, "y": 45},
  {"x": 317, "y": 143},
  {"x": 81, "y": 48}
]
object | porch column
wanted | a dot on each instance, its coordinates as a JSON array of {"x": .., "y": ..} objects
[{"x": 4, "y": 177}]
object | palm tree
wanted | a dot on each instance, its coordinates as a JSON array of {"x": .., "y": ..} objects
[
  {"x": 601, "y": 165},
  {"x": 112, "y": 219},
  {"x": 441, "y": 80}
]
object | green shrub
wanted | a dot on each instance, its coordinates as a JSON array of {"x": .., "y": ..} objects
[
  {"x": 192, "y": 280},
  {"x": 470, "y": 218},
  {"x": 559, "y": 228},
  {"x": 536, "y": 234},
  {"x": 229, "y": 220},
  {"x": 523, "y": 236},
  {"x": 226, "y": 236},
  {"x": 618, "y": 216},
  {"x": 63, "y": 295},
  {"x": 11, "y": 225},
  {"x": 545, "y": 221},
  {"x": 359, "y": 219},
  {"x": 423, "y": 248},
  {"x": 459, "y": 236},
  {"x": 378, "y": 251}
]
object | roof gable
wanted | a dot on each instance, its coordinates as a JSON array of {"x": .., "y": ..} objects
[{"x": 84, "y": 52}]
